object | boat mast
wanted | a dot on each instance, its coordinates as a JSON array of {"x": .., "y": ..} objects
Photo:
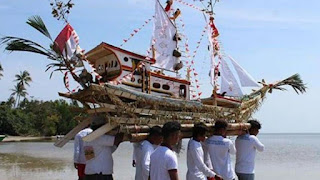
[{"x": 215, "y": 88}]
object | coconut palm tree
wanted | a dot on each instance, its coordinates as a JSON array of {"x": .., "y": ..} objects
[
  {"x": 11, "y": 101},
  {"x": 60, "y": 63},
  {"x": 23, "y": 78},
  {"x": 18, "y": 91},
  {"x": 1, "y": 69}
]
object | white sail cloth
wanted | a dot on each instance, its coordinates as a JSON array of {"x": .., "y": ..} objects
[
  {"x": 245, "y": 78},
  {"x": 229, "y": 83},
  {"x": 163, "y": 42}
]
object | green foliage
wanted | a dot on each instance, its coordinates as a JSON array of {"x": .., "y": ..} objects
[
  {"x": 23, "y": 78},
  {"x": 37, "y": 118},
  {"x": 37, "y": 23}
]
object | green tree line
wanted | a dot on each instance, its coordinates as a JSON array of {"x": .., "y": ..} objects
[
  {"x": 37, "y": 118},
  {"x": 26, "y": 117}
]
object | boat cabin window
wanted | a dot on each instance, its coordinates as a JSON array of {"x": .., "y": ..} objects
[
  {"x": 156, "y": 85},
  {"x": 133, "y": 79},
  {"x": 183, "y": 91},
  {"x": 100, "y": 67},
  {"x": 166, "y": 87},
  {"x": 111, "y": 63},
  {"x": 115, "y": 64},
  {"x": 126, "y": 59}
]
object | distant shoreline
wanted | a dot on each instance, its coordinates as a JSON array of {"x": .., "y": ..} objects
[
  {"x": 291, "y": 133},
  {"x": 28, "y": 138}
]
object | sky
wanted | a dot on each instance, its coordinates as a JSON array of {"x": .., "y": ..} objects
[{"x": 271, "y": 39}]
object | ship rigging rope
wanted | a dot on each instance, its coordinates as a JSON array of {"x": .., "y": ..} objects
[
  {"x": 189, "y": 69},
  {"x": 190, "y": 5},
  {"x": 135, "y": 31}
]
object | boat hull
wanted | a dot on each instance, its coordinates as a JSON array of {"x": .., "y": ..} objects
[{"x": 2, "y": 137}]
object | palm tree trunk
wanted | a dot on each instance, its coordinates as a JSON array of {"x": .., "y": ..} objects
[
  {"x": 18, "y": 101},
  {"x": 15, "y": 104}
]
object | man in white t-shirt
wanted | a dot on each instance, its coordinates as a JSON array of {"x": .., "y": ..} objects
[
  {"x": 144, "y": 151},
  {"x": 163, "y": 161},
  {"x": 246, "y": 151},
  {"x": 197, "y": 170},
  {"x": 98, "y": 153},
  {"x": 220, "y": 148},
  {"x": 79, "y": 159}
]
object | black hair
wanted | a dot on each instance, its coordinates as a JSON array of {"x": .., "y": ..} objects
[
  {"x": 170, "y": 128},
  {"x": 155, "y": 131},
  {"x": 199, "y": 129},
  {"x": 220, "y": 124},
  {"x": 97, "y": 122},
  {"x": 255, "y": 124}
]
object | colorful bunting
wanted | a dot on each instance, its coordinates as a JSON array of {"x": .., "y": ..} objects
[
  {"x": 135, "y": 31},
  {"x": 190, "y": 5}
]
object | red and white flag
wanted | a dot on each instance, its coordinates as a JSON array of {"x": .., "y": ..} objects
[{"x": 67, "y": 42}]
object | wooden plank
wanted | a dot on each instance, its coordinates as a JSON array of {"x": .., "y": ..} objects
[
  {"x": 60, "y": 143},
  {"x": 99, "y": 132}
]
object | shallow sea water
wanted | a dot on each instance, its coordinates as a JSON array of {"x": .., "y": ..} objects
[{"x": 286, "y": 157}]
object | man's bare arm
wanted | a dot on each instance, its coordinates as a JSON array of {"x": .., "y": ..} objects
[{"x": 173, "y": 174}]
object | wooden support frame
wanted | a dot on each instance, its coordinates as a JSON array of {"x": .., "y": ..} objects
[
  {"x": 99, "y": 132},
  {"x": 60, "y": 143}
]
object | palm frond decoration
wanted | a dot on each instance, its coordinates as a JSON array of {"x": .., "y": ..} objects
[
  {"x": 294, "y": 81},
  {"x": 20, "y": 44},
  {"x": 37, "y": 23},
  {"x": 1, "y": 69}
]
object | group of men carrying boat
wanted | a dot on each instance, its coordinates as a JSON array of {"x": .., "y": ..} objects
[{"x": 155, "y": 159}]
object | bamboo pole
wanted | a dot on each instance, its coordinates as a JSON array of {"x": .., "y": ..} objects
[
  {"x": 185, "y": 127},
  {"x": 136, "y": 133},
  {"x": 137, "y": 137}
]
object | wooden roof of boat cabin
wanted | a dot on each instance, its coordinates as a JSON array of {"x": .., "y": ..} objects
[{"x": 104, "y": 49}]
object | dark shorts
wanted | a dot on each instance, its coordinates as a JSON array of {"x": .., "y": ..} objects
[
  {"x": 242, "y": 176},
  {"x": 98, "y": 177}
]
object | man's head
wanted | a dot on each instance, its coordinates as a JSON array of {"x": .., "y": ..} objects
[
  {"x": 220, "y": 127},
  {"x": 155, "y": 135},
  {"x": 97, "y": 121},
  {"x": 171, "y": 133},
  {"x": 199, "y": 131},
  {"x": 255, "y": 127}
]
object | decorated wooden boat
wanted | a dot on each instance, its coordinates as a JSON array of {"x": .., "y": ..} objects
[{"x": 134, "y": 92}]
